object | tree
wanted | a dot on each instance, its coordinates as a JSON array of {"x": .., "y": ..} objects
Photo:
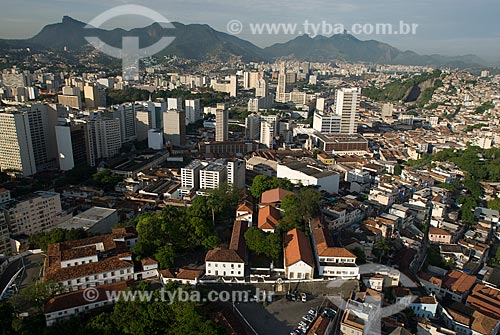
[
  {"x": 106, "y": 179},
  {"x": 494, "y": 204},
  {"x": 360, "y": 256},
  {"x": 7, "y": 316},
  {"x": 262, "y": 243},
  {"x": 165, "y": 256},
  {"x": 262, "y": 183},
  {"x": 39, "y": 293},
  {"x": 398, "y": 169}
]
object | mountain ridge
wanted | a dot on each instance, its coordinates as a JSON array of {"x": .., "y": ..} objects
[{"x": 200, "y": 42}]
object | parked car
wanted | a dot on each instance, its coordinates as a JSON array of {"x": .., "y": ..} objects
[{"x": 303, "y": 297}]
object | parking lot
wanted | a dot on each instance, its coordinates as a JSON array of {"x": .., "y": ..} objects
[{"x": 282, "y": 316}]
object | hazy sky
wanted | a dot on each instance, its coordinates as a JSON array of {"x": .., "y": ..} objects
[{"x": 449, "y": 27}]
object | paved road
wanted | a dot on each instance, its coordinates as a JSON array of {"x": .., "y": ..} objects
[
  {"x": 32, "y": 263},
  {"x": 9, "y": 272}
]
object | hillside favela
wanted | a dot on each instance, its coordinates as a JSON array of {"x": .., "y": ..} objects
[{"x": 249, "y": 168}]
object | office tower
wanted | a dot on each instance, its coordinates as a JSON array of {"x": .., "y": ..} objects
[
  {"x": 174, "y": 127},
  {"x": 190, "y": 176},
  {"x": 252, "y": 127},
  {"x": 251, "y": 79},
  {"x": 236, "y": 173},
  {"x": 193, "y": 111},
  {"x": 35, "y": 214},
  {"x": 233, "y": 86},
  {"x": 91, "y": 94},
  {"x": 306, "y": 67},
  {"x": 212, "y": 176},
  {"x": 42, "y": 121},
  {"x": 267, "y": 132},
  {"x": 387, "y": 110},
  {"x": 126, "y": 113},
  {"x": 347, "y": 102},
  {"x": 174, "y": 103},
  {"x": 103, "y": 137},
  {"x": 221, "y": 123},
  {"x": 71, "y": 145},
  {"x": 326, "y": 122},
  {"x": 155, "y": 139},
  {"x": 261, "y": 89},
  {"x": 291, "y": 78},
  {"x": 281, "y": 88}
]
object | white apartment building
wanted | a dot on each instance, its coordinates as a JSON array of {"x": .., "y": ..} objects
[
  {"x": 212, "y": 176},
  {"x": 190, "y": 177},
  {"x": 267, "y": 133},
  {"x": 127, "y": 114},
  {"x": 347, "y": 102},
  {"x": 327, "y": 122}
]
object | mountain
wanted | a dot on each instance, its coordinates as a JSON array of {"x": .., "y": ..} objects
[
  {"x": 348, "y": 48},
  {"x": 195, "y": 41},
  {"x": 200, "y": 41}
]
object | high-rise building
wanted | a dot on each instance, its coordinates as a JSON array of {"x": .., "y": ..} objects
[
  {"x": 71, "y": 145},
  {"x": 37, "y": 213},
  {"x": 92, "y": 96},
  {"x": 103, "y": 137},
  {"x": 233, "y": 86},
  {"x": 155, "y": 139},
  {"x": 326, "y": 122},
  {"x": 174, "y": 103},
  {"x": 261, "y": 89},
  {"x": 193, "y": 111},
  {"x": 27, "y": 139},
  {"x": 221, "y": 123},
  {"x": 347, "y": 102},
  {"x": 126, "y": 113},
  {"x": 212, "y": 176},
  {"x": 236, "y": 173},
  {"x": 190, "y": 177},
  {"x": 174, "y": 127},
  {"x": 16, "y": 147},
  {"x": 267, "y": 133},
  {"x": 252, "y": 127},
  {"x": 281, "y": 89}
]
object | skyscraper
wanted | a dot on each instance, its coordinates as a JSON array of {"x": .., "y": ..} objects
[
  {"x": 347, "y": 102},
  {"x": 91, "y": 94},
  {"x": 126, "y": 113},
  {"x": 281, "y": 89},
  {"x": 16, "y": 148},
  {"x": 174, "y": 127},
  {"x": 252, "y": 127},
  {"x": 193, "y": 111},
  {"x": 71, "y": 145},
  {"x": 103, "y": 137},
  {"x": 221, "y": 123},
  {"x": 267, "y": 132}
]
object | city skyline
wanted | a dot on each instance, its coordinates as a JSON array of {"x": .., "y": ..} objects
[{"x": 440, "y": 31}]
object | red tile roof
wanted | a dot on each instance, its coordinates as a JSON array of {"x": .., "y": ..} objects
[
  {"x": 274, "y": 195},
  {"x": 458, "y": 281},
  {"x": 324, "y": 245},
  {"x": 298, "y": 248},
  {"x": 268, "y": 217}
]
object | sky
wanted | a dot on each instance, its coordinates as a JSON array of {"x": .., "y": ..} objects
[{"x": 447, "y": 27}]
